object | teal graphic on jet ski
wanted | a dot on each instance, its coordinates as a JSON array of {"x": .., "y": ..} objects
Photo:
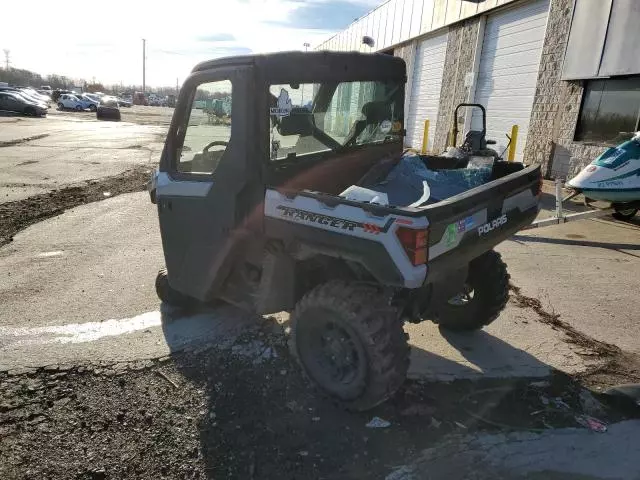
[{"x": 614, "y": 177}]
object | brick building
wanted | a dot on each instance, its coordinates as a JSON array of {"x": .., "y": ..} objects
[{"x": 567, "y": 72}]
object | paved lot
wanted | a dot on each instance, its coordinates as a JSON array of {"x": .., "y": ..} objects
[
  {"x": 42, "y": 154},
  {"x": 78, "y": 287},
  {"x": 97, "y": 262}
]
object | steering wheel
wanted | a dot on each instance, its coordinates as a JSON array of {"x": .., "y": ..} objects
[{"x": 213, "y": 144}]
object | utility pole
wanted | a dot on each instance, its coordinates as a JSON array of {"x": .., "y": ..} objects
[
  {"x": 6, "y": 58},
  {"x": 144, "y": 65},
  {"x": 177, "y": 87}
]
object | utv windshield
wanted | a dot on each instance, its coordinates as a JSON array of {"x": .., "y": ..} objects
[{"x": 312, "y": 118}]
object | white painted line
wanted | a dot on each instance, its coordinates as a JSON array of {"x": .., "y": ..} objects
[
  {"x": 55, "y": 253},
  {"x": 81, "y": 332}
]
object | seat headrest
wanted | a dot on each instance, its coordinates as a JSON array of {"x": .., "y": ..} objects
[{"x": 376, "y": 112}]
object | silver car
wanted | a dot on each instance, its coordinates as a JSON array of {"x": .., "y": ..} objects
[{"x": 13, "y": 102}]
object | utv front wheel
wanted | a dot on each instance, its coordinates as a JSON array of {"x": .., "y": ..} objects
[
  {"x": 485, "y": 295},
  {"x": 350, "y": 343},
  {"x": 168, "y": 295}
]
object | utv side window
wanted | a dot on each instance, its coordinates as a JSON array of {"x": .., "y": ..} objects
[{"x": 208, "y": 130}]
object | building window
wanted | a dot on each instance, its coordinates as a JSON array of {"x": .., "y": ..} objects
[{"x": 610, "y": 110}]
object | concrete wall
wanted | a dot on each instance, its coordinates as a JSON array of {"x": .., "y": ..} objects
[
  {"x": 407, "y": 52},
  {"x": 557, "y": 105}
]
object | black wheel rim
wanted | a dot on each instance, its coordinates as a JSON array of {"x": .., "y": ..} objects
[{"x": 331, "y": 353}]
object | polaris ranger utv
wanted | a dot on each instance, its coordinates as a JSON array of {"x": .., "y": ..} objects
[{"x": 257, "y": 208}]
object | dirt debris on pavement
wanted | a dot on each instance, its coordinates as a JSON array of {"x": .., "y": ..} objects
[
  {"x": 18, "y": 215},
  {"x": 230, "y": 413},
  {"x": 19, "y": 141},
  {"x": 614, "y": 367},
  {"x": 553, "y": 319}
]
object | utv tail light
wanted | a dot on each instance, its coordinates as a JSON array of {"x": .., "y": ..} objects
[{"x": 415, "y": 244}]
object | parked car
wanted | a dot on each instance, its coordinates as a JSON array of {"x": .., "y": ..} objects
[
  {"x": 57, "y": 92},
  {"x": 72, "y": 102},
  {"x": 139, "y": 98},
  {"x": 25, "y": 95},
  {"x": 108, "y": 109},
  {"x": 92, "y": 103},
  {"x": 94, "y": 96},
  {"x": 34, "y": 93},
  {"x": 14, "y": 102},
  {"x": 46, "y": 88},
  {"x": 124, "y": 103}
]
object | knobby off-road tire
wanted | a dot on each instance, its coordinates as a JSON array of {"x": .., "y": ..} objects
[
  {"x": 350, "y": 343},
  {"x": 168, "y": 295},
  {"x": 488, "y": 280}
]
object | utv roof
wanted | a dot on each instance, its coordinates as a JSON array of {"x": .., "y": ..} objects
[{"x": 303, "y": 66}]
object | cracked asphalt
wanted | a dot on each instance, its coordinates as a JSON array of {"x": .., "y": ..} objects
[{"x": 77, "y": 293}]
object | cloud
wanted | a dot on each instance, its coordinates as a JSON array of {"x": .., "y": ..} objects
[
  {"x": 323, "y": 15},
  {"x": 216, "y": 37},
  {"x": 258, "y": 26}
]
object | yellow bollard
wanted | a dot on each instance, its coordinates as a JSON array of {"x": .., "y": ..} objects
[
  {"x": 512, "y": 145},
  {"x": 425, "y": 137}
]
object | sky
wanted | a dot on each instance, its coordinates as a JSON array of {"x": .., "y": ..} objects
[{"x": 105, "y": 43}]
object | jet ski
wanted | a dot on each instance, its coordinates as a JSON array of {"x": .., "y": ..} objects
[{"x": 613, "y": 177}]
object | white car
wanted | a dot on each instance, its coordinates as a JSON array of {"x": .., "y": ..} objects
[
  {"x": 72, "y": 102},
  {"x": 34, "y": 93},
  {"x": 93, "y": 96}
]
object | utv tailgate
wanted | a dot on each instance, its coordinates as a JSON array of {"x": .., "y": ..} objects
[
  {"x": 460, "y": 228},
  {"x": 465, "y": 226}
]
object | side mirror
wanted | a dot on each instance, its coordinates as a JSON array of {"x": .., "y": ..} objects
[{"x": 298, "y": 122}]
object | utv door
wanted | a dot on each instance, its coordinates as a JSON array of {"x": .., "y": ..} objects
[{"x": 203, "y": 171}]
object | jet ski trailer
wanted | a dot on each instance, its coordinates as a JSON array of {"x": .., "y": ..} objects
[{"x": 613, "y": 177}]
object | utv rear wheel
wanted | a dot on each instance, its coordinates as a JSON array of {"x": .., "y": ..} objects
[
  {"x": 622, "y": 213},
  {"x": 350, "y": 343},
  {"x": 484, "y": 297},
  {"x": 168, "y": 295}
]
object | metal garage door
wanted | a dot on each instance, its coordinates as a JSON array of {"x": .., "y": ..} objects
[
  {"x": 424, "y": 96},
  {"x": 508, "y": 70}
]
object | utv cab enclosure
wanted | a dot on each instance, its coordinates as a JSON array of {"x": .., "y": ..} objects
[{"x": 270, "y": 195}]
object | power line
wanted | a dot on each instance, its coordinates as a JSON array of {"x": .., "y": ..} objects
[{"x": 6, "y": 58}]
